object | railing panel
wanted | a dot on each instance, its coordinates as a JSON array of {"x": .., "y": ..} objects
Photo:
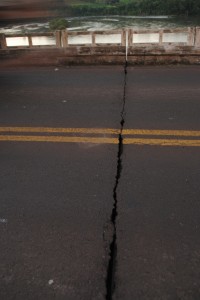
[
  {"x": 126, "y": 38},
  {"x": 43, "y": 41},
  {"x": 79, "y": 39},
  {"x": 145, "y": 38},
  {"x": 108, "y": 38},
  {"x": 17, "y": 41},
  {"x": 179, "y": 37}
]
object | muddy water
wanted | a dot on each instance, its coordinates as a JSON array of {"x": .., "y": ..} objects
[{"x": 99, "y": 23}]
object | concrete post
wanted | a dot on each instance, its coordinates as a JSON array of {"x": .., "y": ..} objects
[
  {"x": 58, "y": 39},
  {"x": 197, "y": 37},
  {"x": 191, "y": 36},
  {"x": 130, "y": 37},
  {"x": 93, "y": 39},
  {"x": 64, "y": 38},
  {"x": 123, "y": 38},
  {"x": 30, "y": 41},
  {"x": 3, "y": 44},
  {"x": 160, "y": 37}
]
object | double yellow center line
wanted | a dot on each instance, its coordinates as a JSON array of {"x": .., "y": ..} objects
[{"x": 101, "y": 136}]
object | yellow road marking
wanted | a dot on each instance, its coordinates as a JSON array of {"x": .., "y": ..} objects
[
  {"x": 161, "y": 132},
  {"x": 60, "y": 130},
  {"x": 102, "y": 131},
  {"x": 165, "y": 138},
  {"x": 58, "y": 139},
  {"x": 99, "y": 140},
  {"x": 162, "y": 142}
]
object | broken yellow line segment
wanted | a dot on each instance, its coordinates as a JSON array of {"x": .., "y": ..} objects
[
  {"x": 102, "y": 131},
  {"x": 58, "y": 139},
  {"x": 162, "y": 142},
  {"x": 99, "y": 140},
  {"x": 162, "y": 132},
  {"x": 60, "y": 130}
]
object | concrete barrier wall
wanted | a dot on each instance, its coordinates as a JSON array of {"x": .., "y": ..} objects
[
  {"x": 103, "y": 47},
  {"x": 61, "y": 39}
]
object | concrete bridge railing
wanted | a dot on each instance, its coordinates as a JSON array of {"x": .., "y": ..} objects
[
  {"x": 128, "y": 38},
  {"x": 66, "y": 47}
]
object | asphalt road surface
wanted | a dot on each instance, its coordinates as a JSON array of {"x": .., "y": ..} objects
[{"x": 99, "y": 189}]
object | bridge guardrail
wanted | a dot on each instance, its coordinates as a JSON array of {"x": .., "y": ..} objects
[{"x": 128, "y": 38}]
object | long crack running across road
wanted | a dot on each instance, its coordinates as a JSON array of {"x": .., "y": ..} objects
[{"x": 110, "y": 282}]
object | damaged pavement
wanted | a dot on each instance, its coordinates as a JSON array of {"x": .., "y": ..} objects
[{"x": 99, "y": 191}]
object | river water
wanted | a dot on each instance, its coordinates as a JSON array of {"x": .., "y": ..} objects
[
  {"x": 101, "y": 23},
  {"x": 107, "y": 23}
]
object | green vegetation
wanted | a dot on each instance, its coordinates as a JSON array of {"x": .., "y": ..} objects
[
  {"x": 58, "y": 24},
  {"x": 136, "y": 7},
  {"x": 93, "y": 9}
]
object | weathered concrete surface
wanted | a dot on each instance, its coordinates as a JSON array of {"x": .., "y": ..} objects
[
  {"x": 159, "y": 55},
  {"x": 62, "y": 57},
  {"x": 56, "y": 199},
  {"x": 163, "y": 97},
  {"x": 54, "y": 97},
  {"x": 158, "y": 224},
  {"x": 114, "y": 55}
]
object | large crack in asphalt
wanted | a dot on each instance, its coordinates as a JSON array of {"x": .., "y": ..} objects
[{"x": 110, "y": 281}]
